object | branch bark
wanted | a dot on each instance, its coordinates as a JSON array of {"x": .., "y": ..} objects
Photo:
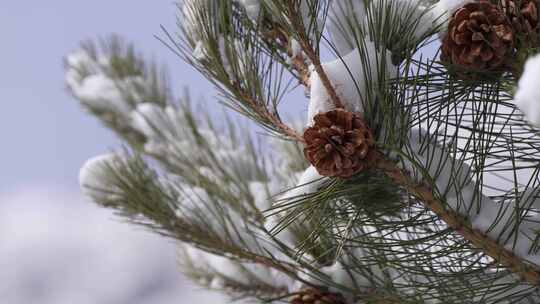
[{"x": 527, "y": 272}]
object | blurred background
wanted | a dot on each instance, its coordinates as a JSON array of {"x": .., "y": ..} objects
[{"x": 56, "y": 247}]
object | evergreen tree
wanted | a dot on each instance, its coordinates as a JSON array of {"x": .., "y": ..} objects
[{"x": 414, "y": 179}]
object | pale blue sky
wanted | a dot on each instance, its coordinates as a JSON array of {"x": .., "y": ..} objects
[{"x": 46, "y": 135}]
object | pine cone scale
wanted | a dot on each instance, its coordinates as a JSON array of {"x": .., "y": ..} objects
[
  {"x": 523, "y": 15},
  {"x": 323, "y": 121},
  {"x": 487, "y": 55},
  {"x": 462, "y": 14}
]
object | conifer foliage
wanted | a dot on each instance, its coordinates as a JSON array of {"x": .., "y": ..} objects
[{"x": 413, "y": 179}]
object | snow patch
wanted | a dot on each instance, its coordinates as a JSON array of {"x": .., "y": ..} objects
[
  {"x": 527, "y": 97},
  {"x": 101, "y": 93},
  {"x": 496, "y": 219},
  {"x": 149, "y": 119},
  {"x": 93, "y": 177},
  {"x": 309, "y": 182},
  {"x": 252, "y": 8},
  {"x": 350, "y": 79},
  {"x": 344, "y": 18}
]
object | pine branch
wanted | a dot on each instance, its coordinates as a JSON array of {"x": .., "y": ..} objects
[
  {"x": 424, "y": 193},
  {"x": 398, "y": 240},
  {"x": 241, "y": 83},
  {"x": 528, "y": 272}
]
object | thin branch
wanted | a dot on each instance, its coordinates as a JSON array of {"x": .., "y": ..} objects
[
  {"x": 298, "y": 62},
  {"x": 272, "y": 118},
  {"x": 308, "y": 49}
]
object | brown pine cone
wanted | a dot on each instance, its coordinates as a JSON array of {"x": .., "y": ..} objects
[
  {"x": 523, "y": 15},
  {"x": 338, "y": 144},
  {"x": 479, "y": 37},
  {"x": 315, "y": 296}
]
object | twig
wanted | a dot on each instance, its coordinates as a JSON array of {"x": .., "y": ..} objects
[
  {"x": 298, "y": 62},
  {"x": 270, "y": 117},
  {"x": 312, "y": 55}
]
